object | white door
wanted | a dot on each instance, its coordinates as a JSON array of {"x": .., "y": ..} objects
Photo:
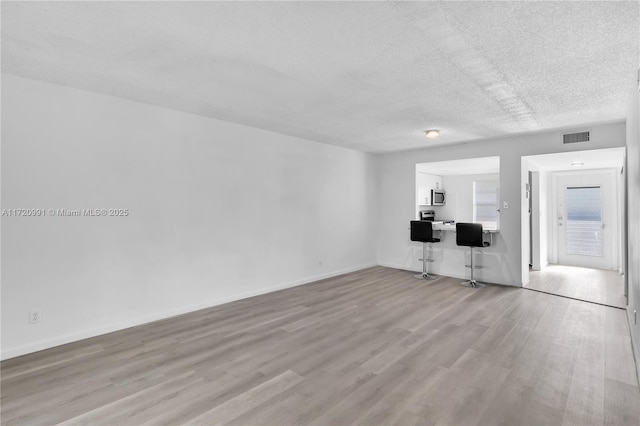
[{"x": 586, "y": 208}]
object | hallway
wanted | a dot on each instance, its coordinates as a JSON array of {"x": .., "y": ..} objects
[{"x": 590, "y": 285}]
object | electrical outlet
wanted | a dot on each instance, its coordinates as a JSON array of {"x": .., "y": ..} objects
[
  {"x": 505, "y": 204},
  {"x": 34, "y": 317}
]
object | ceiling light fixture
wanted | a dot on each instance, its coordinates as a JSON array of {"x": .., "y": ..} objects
[
  {"x": 577, "y": 164},
  {"x": 433, "y": 133}
]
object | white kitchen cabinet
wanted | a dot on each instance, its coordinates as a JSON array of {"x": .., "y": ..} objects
[{"x": 424, "y": 184}]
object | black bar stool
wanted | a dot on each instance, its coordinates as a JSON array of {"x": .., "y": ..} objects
[
  {"x": 422, "y": 231},
  {"x": 471, "y": 235}
]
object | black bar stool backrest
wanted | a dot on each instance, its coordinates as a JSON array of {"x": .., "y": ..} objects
[
  {"x": 421, "y": 230},
  {"x": 470, "y": 235}
]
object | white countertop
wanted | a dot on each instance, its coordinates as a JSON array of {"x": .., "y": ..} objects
[{"x": 440, "y": 226}]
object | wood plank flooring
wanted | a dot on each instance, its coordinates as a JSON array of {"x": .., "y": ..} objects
[
  {"x": 372, "y": 347},
  {"x": 591, "y": 285}
]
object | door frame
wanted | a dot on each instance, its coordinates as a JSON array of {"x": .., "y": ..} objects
[
  {"x": 537, "y": 224},
  {"x": 614, "y": 226}
]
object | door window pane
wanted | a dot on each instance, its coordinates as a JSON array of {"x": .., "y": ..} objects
[{"x": 584, "y": 221}]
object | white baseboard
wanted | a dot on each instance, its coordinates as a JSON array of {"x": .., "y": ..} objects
[
  {"x": 93, "y": 332},
  {"x": 449, "y": 274}
]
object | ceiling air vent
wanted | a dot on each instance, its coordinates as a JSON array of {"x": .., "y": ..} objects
[{"x": 575, "y": 137}]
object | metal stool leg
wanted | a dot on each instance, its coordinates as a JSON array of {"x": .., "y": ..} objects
[
  {"x": 472, "y": 282},
  {"x": 424, "y": 275}
]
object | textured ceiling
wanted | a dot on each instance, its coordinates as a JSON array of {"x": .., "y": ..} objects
[{"x": 369, "y": 76}]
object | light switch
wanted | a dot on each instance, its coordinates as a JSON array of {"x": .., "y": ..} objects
[{"x": 505, "y": 204}]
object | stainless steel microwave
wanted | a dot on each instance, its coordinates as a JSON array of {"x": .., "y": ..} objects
[{"x": 437, "y": 197}]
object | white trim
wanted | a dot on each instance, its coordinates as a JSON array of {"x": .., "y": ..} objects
[
  {"x": 621, "y": 186},
  {"x": 553, "y": 220},
  {"x": 93, "y": 332},
  {"x": 534, "y": 197}
]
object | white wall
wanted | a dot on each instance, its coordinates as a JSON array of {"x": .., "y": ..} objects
[
  {"x": 395, "y": 183},
  {"x": 633, "y": 214},
  {"x": 217, "y": 212}
]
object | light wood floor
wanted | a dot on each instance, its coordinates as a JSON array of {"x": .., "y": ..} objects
[
  {"x": 371, "y": 347},
  {"x": 591, "y": 285}
]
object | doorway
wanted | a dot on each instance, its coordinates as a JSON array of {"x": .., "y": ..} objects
[
  {"x": 586, "y": 220},
  {"x": 574, "y": 227}
]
